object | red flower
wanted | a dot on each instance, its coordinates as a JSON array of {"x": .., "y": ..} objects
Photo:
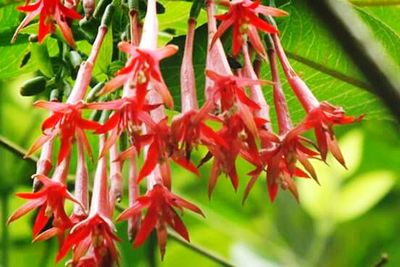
[
  {"x": 50, "y": 199},
  {"x": 322, "y": 119},
  {"x": 243, "y": 17},
  {"x": 159, "y": 151},
  {"x": 228, "y": 90},
  {"x": 280, "y": 156},
  {"x": 143, "y": 68},
  {"x": 189, "y": 130},
  {"x": 51, "y": 11},
  {"x": 127, "y": 116},
  {"x": 240, "y": 139},
  {"x": 160, "y": 204},
  {"x": 67, "y": 122},
  {"x": 94, "y": 236}
]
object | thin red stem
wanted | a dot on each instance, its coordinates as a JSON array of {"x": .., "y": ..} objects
[
  {"x": 81, "y": 182},
  {"x": 284, "y": 122},
  {"x": 85, "y": 70},
  {"x": 216, "y": 58},
  {"x": 256, "y": 90},
  {"x": 133, "y": 194},
  {"x": 303, "y": 93},
  {"x": 61, "y": 172},
  {"x": 135, "y": 28},
  {"x": 188, "y": 82},
  {"x": 100, "y": 199},
  {"x": 115, "y": 177}
]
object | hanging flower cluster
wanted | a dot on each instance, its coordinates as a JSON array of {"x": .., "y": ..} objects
[{"x": 235, "y": 104}]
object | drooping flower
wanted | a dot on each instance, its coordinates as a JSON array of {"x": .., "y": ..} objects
[
  {"x": 235, "y": 133},
  {"x": 50, "y": 12},
  {"x": 50, "y": 201},
  {"x": 243, "y": 17},
  {"x": 322, "y": 119},
  {"x": 161, "y": 207},
  {"x": 94, "y": 233},
  {"x": 67, "y": 122},
  {"x": 160, "y": 150},
  {"x": 143, "y": 68},
  {"x": 189, "y": 129},
  {"x": 95, "y": 236},
  {"x": 321, "y": 116},
  {"x": 128, "y": 115},
  {"x": 229, "y": 92}
]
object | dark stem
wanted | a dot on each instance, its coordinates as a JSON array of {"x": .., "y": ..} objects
[{"x": 4, "y": 236}]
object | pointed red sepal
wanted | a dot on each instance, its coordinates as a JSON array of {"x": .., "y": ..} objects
[
  {"x": 161, "y": 205},
  {"x": 242, "y": 16}
]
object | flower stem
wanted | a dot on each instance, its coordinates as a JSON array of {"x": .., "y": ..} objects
[
  {"x": 4, "y": 235},
  {"x": 133, "y": 189},
  {"x": 100, "y": 200},
  {"x": 188, "y": 82},
  {"x": 61, "y": 172},
  {"x": 150, "y": 27},
  {"x": 303, "y": 93},
  {"x": 216, "y": 58},
  {"x": 134, "y": 21},
  {"x": 85, "y": 70},
  {"x": 256, "y": 90},
  {"x": 284, "y": 122},
  {"x": 81, "y": 182},
  {"x": 115, "y": 177}
]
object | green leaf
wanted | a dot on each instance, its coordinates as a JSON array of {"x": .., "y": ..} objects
[
  {"x": 105, "y": 56},
  {"x": 362, "y": 193},
  {"x": 40, "y": 55}
]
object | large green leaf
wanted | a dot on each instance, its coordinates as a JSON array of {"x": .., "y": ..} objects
[{"x": 314, "y": 55}]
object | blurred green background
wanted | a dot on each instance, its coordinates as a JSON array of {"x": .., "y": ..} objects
[{"x": 352, "y": 219}]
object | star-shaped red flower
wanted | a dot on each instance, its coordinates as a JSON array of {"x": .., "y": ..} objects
[
  {"x": 50, "y": 12},
  {"x": 143, "y": 67},
  {"x": 243, "y": 17},
  {"x": 50, "y": 199},
  {"x": 161, "y": 205},
  {"x": 322, "y": 119},
  {"x": 67, "y": 122},
  {"x": 94, "y": 235}
]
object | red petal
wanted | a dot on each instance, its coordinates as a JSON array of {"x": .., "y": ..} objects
[
  {"x": 135, "y": 209},
  {"x": 213, "y": 178},
  {"x": 148, "y": 224},
  {"x": 187, "y": 164},
  {"x": 24, "y": 209},
  {"x": 41, "y": 221},
  {"x": 150, "y": 162}
]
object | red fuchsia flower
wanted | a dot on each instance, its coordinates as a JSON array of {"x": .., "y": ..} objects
[
  {"x": 160, "y": 151},
  {"x": 189, "y": 129},
  {"x": 50, "y": 12},
  {"x": 240, "y": 139},
  {"x": 161, "y": 207},
  {"x": 67, "y": 122},
  {"x": 50, "y": 201},
  {"x": 280, "y": 154},
  {"x": 321, "y": 116},
  {"x": 243, "y": 17},
  {"x": 280, "y": 159},
  {"x": 143, "y": 69},
  {"x": 229, "y": 92},
  {"x": 128, "y": 115},
  {"x": 94, "y": 237},
  {"x": 322, "y": 119}
]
